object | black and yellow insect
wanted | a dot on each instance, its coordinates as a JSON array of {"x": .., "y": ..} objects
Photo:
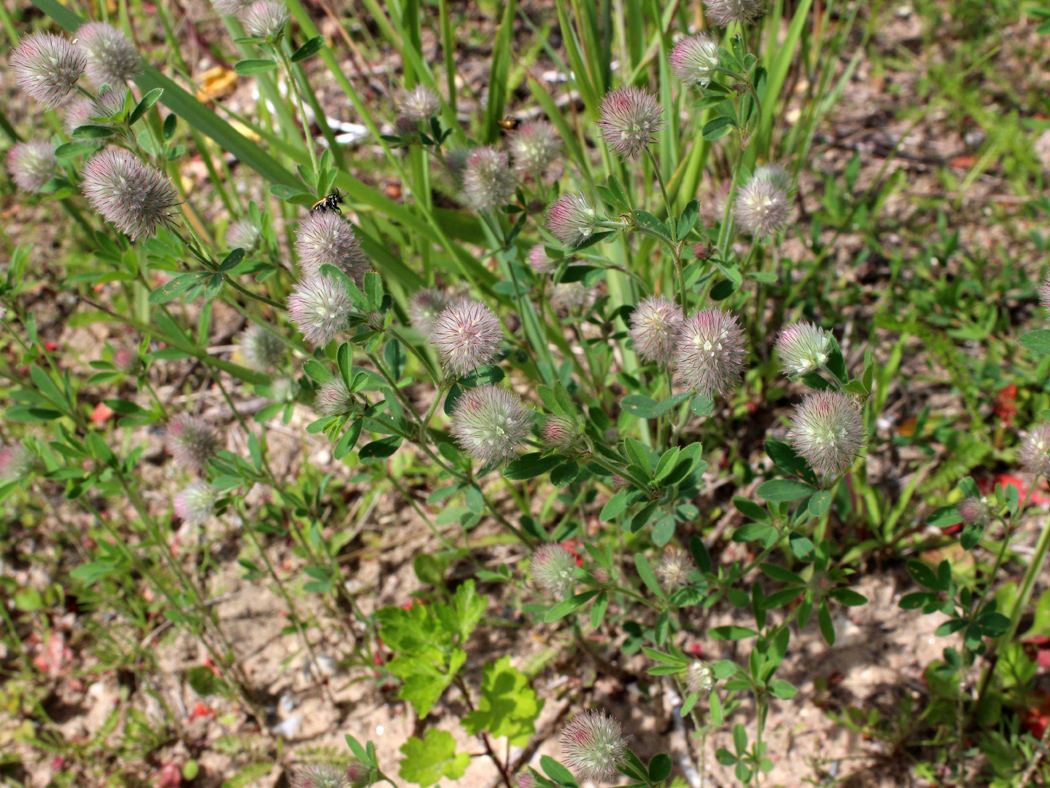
[
  {"x": 508, "y": 123},
  {"x": 329, "y": 203}
]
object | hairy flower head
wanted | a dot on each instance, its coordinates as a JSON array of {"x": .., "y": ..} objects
[
  {"x": 231, "y": 7},
  {"x": 540, "y": 261},
  {"x": 803, "y": 348},
  {"x": 261, "y": 349},
  {"x": 656, "y": 324},
  {"x": 192, "y": 441},
  {"x": 47, "y": 67},
  {"x": 674, "y": 568},
  {"x": 487, "y": 181},
  {"x": 725, "y": 12},
  {"x": 424, "y": 308},
  {"x": 195, "y": 503},
  {"x": 326, "y": 238},
  {"x": 86, "y": 111},
  {"x": 827, "y": 429},
  {"x": 762, "y": 207},
  {"x": 419, "y": 104},
  {"x": 15, "y": 463},
  {"x": 333, "y": 398},
  {"x": 562, "y": 433},
  {"x": 1044, "y": 293},
  {"x": 243, "y": 234},
  {"x": 571, "y": 219},
  {"x": 975, "y": 511},
  {"x": 111, "y": 58},
  {"x": 593, "y": 746},
  {"x": 534, "y": 147},
  {"x": 320, "y": 775},
  {"x": 320, "y": 307},
  {"x": 1034, "y": 454},
  {"x": 553, "y": 568},
  {"x": 265, "y": 19},
  {"x": 710, "y": 354},
  {"x": 135, "y": 197},
  {"x": 699, "y": 677},
  {"x": 629, "y": 119},
  {"x": 694, "y": 59},
  {"x": 466, "y": 336},
  {"x": 489, "y": 423},
  {"x": 32, "y": 164}
]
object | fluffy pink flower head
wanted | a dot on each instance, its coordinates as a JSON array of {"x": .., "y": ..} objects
[
  {"x": 725, "y": 12},
  {"x": 419, "y": 104},
  {"x": 320, "y": 307},
  {"x": 975, "y": 511},
  {"x": 111, "y": 58},
  {"x": 827, "y": 429},
  {"x": 803, "y": 348},
  {"x": 1034, "y": 454},
  {"x": 674, "y": 568},
  {"x": 195, "y": 503},
  {"x": 571, "y": 219},
  {"x": 231, "y": 7},
  {"x": 540, "y": 261},
  {"x": 328, "y": 239},
  {"x": 135, "y": 197},
  {"x": 86, "y": 111},
  {"x": 699, "y": 677},
  {"x": 562, "y": 433},
  {"x": 265, "y": 19},
  {"x": 710, "y": 353},
  {"x": 333, "y": 398},
  {"x": 127, "y": 361},
  {"x": 593, "y": 746},
  {"x": 244, "y": 234},
  {"x": 261, "y": 349},
  {"x": 32, "y": 165},
  {"x": 357, "y": 774},
  {"x": 762, "y": 207},
  {"x": 694, "y": 59},
  {"x": 192, "y": 441},
  {"x": 487, "y": 180},
  {"x": 320, "y": 775},
  {"x": 534, "y": 147},
  {"x": 656, "y": 325},
  {"x": 425, "y": 307},
  {"x": 15, "y": 463},
  {"x": 489, "y": 423},
  {"x": 526, "y": 779},
  {"x": 466, "y": 336},
  {"x": 47, "y": 67},
  {"x": 553, "y": 568},
  {"x": 629, "y": 119}
]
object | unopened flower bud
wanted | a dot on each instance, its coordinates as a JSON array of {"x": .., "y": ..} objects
[
  {"x": 357, "y": 774},
  {"x": 828, "y": 431},
  {"x": 656, "y": 325},
  {"x": 803, "y": 348},
  {"x": 553, "y": 568},
  {"x": 710, "y": 355},
  {"x": 466, "y": 335},
  {"x": 489, "y": 424},
  {"x": 593, "y": 746},
  {"x": 562, "y": 433}
]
